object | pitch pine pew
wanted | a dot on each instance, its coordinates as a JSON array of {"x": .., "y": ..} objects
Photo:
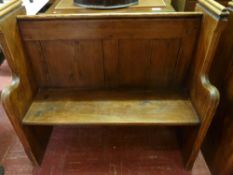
[
  {"x": 114, "y": 69},
  {"x": 218, "y": 145}
]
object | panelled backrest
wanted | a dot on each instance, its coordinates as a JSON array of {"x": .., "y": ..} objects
[{"x": 137, "y": 52}]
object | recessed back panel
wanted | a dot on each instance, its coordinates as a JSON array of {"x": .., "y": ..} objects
[{"x": 110, "y": 53}]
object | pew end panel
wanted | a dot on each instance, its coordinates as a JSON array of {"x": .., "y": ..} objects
[
  {"x": 122, "y": 69},
  {"x": 218, "y": 144},
  {"x": 204, "y": 96},
  {"x": 17, "y": 97}
]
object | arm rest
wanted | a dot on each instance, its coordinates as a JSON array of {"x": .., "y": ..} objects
[
  {"x": 15, "y": 100},
  {"x": 15, "y": 106},
  {"x": 205, "y": 97}
]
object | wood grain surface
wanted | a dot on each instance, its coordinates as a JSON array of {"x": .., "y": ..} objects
[
  {"x": 111, "y": 53},
  {"x": 57, "y": 107},
  {"x": 163, "y": 52},
  {"x": 218, "y": 145},
  {"x": 158, "y": 148}
]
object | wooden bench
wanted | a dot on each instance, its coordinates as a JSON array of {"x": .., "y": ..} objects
[{"x": 113, "y": 69}]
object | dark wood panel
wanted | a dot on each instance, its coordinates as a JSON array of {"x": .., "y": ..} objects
[
  {"x": 38, "y": 62},
  {"x": 111, "y": 63},
  {"x": 76, "y": 64},
  {"x": 106, "y": 28},
  {"x": 163, "y": 59},
  {"x": 89, "y": 60},
  {"x": 185, "y": 58},
  {"x": 133, "y": 62},
  {"x": 112, "y": 53},
  {"x": 60, "y": 61}
]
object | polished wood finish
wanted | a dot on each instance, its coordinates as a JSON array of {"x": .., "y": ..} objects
[
  {"x": 107, "y": 52},
  {"x": 59, "y": 107},
  {"x": 203, "y": 94},
  {"x": 136, "y": 150},
  {"x": 218, "y": 147},
  {"x": 8, "y": 6},
  {"x": 99, "y": 59},
  {"x": 18, "y": 97}
]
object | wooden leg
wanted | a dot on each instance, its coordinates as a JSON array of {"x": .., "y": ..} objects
[
  {"x": 38, "y": 140},
  {"x": 191, "y": 141},
  {"x": 34, "y": 140}
]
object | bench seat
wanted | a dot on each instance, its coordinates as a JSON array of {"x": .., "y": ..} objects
[{"x": 72, "y": 107}]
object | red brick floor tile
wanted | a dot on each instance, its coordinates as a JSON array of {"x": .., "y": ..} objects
[
  {"x": 12, "y": 155},
  {"x": 5, "y": 75}
]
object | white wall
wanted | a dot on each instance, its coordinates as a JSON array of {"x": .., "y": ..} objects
[{"x": 34, "y": 7}]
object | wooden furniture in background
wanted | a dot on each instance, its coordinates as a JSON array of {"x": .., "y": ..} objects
[
  {"x": 218, "y": 147},
  {"x": 139, "y": 68},
  {"x": 7, "y": 6},
  {"x": 67, "y": 7},
  {"x": 105, "y": 4},
  {"x": 189, "y": 5}
]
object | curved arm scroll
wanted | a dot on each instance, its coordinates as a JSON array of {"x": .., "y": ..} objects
[{"x": 204, "y": 95}]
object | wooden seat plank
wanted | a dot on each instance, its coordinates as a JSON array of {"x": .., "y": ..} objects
[{"x": 56, "y": 107}]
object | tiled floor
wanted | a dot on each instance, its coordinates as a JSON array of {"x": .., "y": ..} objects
[
  {"x": 5, "y": 75},
  {"x": 95, "y": 150}
]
